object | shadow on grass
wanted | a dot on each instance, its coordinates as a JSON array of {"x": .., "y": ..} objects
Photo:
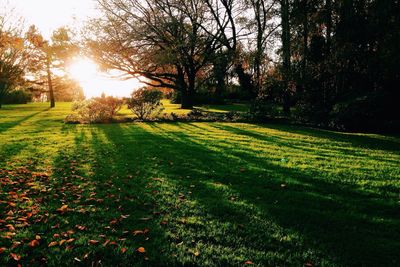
[
  {"x": 356, "y": 140},
  {"x": 5, "y": 126},
  {"x": 107, "y": 193},
  {"x": 249, "y": 215}
]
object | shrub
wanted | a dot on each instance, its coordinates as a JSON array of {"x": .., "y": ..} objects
[
  {"x": 145, "y": 103},
  {"x": 262, "y": 110},
  {"x": 98, "y": 109},
  {"x": 17, "y": 97}
]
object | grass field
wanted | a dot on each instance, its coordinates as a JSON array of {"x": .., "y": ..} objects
[{"x": 194, "y": 194}]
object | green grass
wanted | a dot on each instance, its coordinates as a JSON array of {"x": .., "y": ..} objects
[
  {"x": 210, "y": 194},
  {"x": 176, "y": 108}
]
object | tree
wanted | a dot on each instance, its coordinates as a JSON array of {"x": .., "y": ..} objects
[
  {"x": 286, "y": 54},
  {"x": 13, "y": 55},
  {"x": 159, "y": 42},
  {"x": 264, "y": 26},
  {"x": 48, "y": 55}
]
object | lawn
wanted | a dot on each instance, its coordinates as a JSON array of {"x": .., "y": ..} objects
[{"x": 194, "y": 194}]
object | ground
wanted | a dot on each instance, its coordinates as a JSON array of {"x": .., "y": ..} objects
[{"x": 206, "y": 194}]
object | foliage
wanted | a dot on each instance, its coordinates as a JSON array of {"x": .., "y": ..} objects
[
  {"x": 13, "y": 55},
  {"x": 19, "y": 96},
  {"x": 67, "y": 90},
  {"x": 49, "y": 55},
  {"x": 94, "y": 110},
  {"x": 145, "y": 103}
]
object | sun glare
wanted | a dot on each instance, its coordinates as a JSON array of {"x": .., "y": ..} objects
[
  {"x": 83, "y": 70},
  {"x": 94, "y": 82}
]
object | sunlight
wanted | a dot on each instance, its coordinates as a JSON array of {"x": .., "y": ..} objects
[
  {"x": 94, "y": 82},
  {"x": 82, "y": 70}
]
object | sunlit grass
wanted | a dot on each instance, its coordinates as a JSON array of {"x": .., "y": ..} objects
[{"x": 210, "y": 194}]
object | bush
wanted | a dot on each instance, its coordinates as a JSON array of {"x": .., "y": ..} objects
[
  {"x": 365, "y": 113},
  {"x": 17, "y": 97},
  {"x": 146, "y": 103},
  {"x": 261, "y": 110},
  {"x": 98, "y": 109}
]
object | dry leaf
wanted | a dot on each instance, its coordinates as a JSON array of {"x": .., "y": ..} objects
[
  {"x": 123, "y": 250},
  {"x": 2, "y": 250},
  {"x": 138, "y": 232},
  {"x": 93, "y": 242},
  {"x": 34, "y": 243},
  {"x": 16, "y": 257},
  {"x": 52, "y": 244},
  {"x": 63, "y": 208},
  {"x": 141, "y": 250},
  {"x": 249, "y": 263}
]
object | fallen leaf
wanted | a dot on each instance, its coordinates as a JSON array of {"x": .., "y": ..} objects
[
  {"x": 16, "y": 257},
  {"x": 2, "y": 250},
  {"x": 10, "y": 227},
  {"x": 249, "y": 263},
  {"x": 34, "y": 243},
  {"x": 138, "y": 232},
  {"x": 80, "y": 227},
  {"x": 141, "y": 250},
  {"x": 123, "y": 250},
  {"x": 52, "y": 244},
  {"x": 196, "y": 253},
  {"x": 63, "y": 208},
  {"x": 93, "y": 242},
  {"x": 38, "y": 237},
  {"x": 106, "y": 243}
]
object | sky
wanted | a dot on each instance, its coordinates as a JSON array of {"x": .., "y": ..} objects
[{"x": 49, "y": 15}]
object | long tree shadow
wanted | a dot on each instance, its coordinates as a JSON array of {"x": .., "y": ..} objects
[
  {"x": 307, "y": 218},
  {"x": 388, "y": 143},
  {"x": 111, "y": 200},
  {"x": 5, "y": 126}
]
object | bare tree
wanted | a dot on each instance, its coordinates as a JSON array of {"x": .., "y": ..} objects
[{"x": 161, "y": 42}]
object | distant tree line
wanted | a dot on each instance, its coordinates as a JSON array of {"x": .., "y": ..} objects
[{"x": 331, "y": 62}]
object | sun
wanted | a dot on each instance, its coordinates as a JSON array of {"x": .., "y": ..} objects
[
  {"x": 94, "y": 82},
  {"x": 83, "y": 70}
]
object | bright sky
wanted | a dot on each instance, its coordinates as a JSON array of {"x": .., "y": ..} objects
[{"x": 49, "y": 15}]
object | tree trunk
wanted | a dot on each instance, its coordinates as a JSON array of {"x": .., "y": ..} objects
[
  {"x": 186, "y": 98},
  {"x": 305, "y": 41},
  {"x": 286, "y": 54},
  {"x": 328, "y": 25},
  {"x": 50, "y": 82},
  {"x": 245, "y": 79},
  {"x": 219, "y": 89}
]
